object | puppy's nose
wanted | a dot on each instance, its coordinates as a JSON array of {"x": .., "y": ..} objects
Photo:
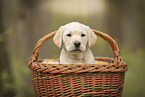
[{"x": 77, "y": 44}]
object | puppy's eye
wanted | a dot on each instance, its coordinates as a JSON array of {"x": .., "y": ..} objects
[
  {"x": 69, "y": 35},
  {"x": 83, "y": 35}
]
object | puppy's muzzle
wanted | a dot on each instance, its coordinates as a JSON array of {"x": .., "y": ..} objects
[{"x": 77, "y": 44}]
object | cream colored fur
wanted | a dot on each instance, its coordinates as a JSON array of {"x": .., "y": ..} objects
[{"x": 73, "y": 32}]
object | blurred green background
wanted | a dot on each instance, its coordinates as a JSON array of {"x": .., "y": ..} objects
[{"x": 23, "y": 22}]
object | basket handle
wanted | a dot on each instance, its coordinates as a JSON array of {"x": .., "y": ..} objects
[
  {"x": 112, "y": 43},
  {"x": 106, "y": 37}
]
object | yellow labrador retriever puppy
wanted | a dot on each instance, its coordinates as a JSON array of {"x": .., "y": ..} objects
[{"x": 76, "y": 39}]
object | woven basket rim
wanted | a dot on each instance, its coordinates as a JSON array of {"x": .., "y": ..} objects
[{"x": 111, "y": 66}]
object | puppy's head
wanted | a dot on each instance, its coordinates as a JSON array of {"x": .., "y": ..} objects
[{"x": 75, "y": 37}]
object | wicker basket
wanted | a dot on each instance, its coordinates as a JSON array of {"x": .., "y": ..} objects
[{"x": 78, "y": 80}]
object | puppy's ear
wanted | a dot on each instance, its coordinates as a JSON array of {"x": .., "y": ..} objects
[
  {"x": 91, "y": 37},
  {"x": 58, "y": 37}
]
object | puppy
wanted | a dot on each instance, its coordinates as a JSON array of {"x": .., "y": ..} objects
[{"x": 76, "y": 39}]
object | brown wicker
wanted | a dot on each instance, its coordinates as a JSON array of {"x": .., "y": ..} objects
[{"x": 78, "y": 80}]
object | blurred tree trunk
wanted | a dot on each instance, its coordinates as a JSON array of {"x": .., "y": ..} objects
[
  {"x": 126, "y": 21},
  {"x": 27, "y": 20},
  {"x": 5, "y": 70},
  {"x": 114, "y": 18}
]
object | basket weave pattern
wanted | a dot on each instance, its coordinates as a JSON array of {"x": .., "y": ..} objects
[{"x": 78, "y": 80}]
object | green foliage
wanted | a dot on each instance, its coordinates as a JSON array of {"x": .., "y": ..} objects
[
  {"x": 22, "y": 76},
  {"x": 135, "y": 78},
  {"x": 6, "y": 79},
  {"x": 3, "y": 35}
]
